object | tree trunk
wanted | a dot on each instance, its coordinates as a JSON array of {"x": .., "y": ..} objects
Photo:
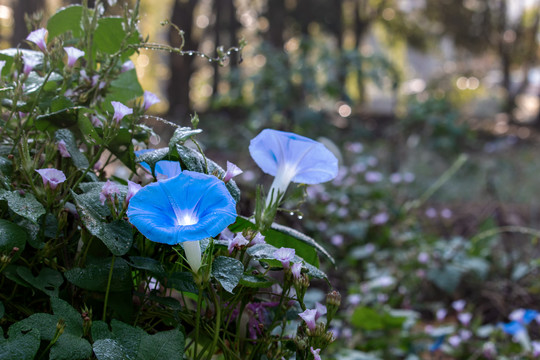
[
  {"x": 276, "y": 19},
  {"x": 22, "y": 7},
  {"x": 181, "y": 66}
]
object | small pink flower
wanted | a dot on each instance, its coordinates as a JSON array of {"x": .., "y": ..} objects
[
  {"x": 51, "y": 177},
  {"x": 258, "y": 239},
  {"x": 30, "y": 62},
  {"x": 73, "y": 54},
  {"x": 396, "y": 178},
  {"x": 238, "y": 241},
  {"x": 373, "y": 177},
  {"x": 150, "y": 99},
  {"x": 459, "y": 305},
  {"x": 464, "y": 318},
  {"x": 108, "y": 191},
  {"x": 285, "y": 255},
  {"x": 62, "y": 148},
  {"x": 96, "y": 121},
  {"x": 321, "y": 310},
  {"x": 120, "y": 110},
  {"x": 380, "y": 219},
  {"x": 296, "y": 270},
  {"x": 39, "y": 37},
  {"x": 454, "y": 340},
  {"x": 133, "y": 188},
  {"x": 232, "y": 171},
  {"x": 423, "y": 257},
  {"x": 536, "y": 348},
  {"x": 337, "y": 240},
  {"x": 128, "y": 65},
  {"x": 315, "y": 353},
  {"x": 441, "y": 314},
  {"x": 309, "y": 317}
]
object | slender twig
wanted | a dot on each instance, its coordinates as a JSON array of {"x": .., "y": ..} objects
[{"x": 108, "y": 289}]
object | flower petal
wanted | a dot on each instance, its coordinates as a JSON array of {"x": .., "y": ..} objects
[{"x": 310, "y": 160}]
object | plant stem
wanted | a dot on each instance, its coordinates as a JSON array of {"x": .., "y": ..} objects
[
  {"x": 217, "y": 325},
  {"x": 197, "y": 321},
  {"x": 108, "y": 289}
]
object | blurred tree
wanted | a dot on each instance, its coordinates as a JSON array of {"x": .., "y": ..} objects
[
  {"x": 21, "y": 10},
  {"x": 181, "y": 66},
  {"x": 507, "y": 29},
  {"x": 226, "y": 26}
]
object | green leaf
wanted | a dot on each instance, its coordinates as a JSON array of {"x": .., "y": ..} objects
[
  {"x": 58, "y": 120},
  {"x": 446, "y": 278},
  {"x": 228, "y": 271},
  {"x": 282, "y": 236},
  {"x": 148, "y": 264},
  {"x": 182, "y": 281},
  {"x": 110, "y": 35},
  {"x": 181, "y": 135},
  {"x": 86, "y": 127},
  {"x": 116, "y": 235},
  {"x": 367, "y": 319},
  {"x": 122, "y": 147},
  {"x": 266, "y": 252},
  {"x": 11, "y": 236},
  {"x": 109, "y": 349},
  {"x": 72, "y": 318},
  {"x": 70, "y": 347},
  {"x": 79, "y": 160},
  {"x": 193, "y": 160},
  {"x": 6, "y": 166},
  {"x": 20, "y": 346},
  {"x": 23, "y": 205},
  {"x": 124, "y": 88},
  {"x": 64, "y": 20},
  {"x": 48, "y": 280},
  {"x": 127, "y": 342},
  {"x": 95, "y": 275},
  {"x": 256, "y": 281}
]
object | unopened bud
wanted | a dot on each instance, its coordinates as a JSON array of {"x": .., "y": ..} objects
[
  {"x": 333, "y": 299},
  {"x": 333, "y": 302},
  {"x": 329, "y": 337},
  {"x": 301, "y": 343}
]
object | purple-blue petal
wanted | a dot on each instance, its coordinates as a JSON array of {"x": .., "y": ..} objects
[
  {"x": 166, "y": 168},
  {"x": 154, "y": 210},
  {"x": 529, "y": 316},
  {"x": 314, "y": 162},
  {"x": 512, "y": 328}
]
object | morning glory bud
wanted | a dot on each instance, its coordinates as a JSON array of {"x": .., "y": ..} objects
[
  {"x": 62, "y": 148},
  {"x": 120, "y": 110},
  {"x": 29, "y": 63},
  {"x": 232, "y": 171},
  {"x": 73, "y": 54},
  {"x": 39, "y": 37},
  {"x": 315, "y": 353},
  {"x": 309, "y": 318},
  {"x": 150, "y": 99}
]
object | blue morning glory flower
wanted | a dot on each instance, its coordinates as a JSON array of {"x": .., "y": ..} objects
[
  {"x": 191, "y": 206},
  {"x": 290, "y": 157},
  {"x": 184, "y": 209},
  {"x": 165, "y": 169}
]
